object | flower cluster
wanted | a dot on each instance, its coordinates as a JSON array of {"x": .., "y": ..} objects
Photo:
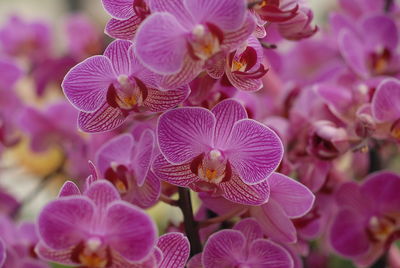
[{"x": 275, "y": 138}]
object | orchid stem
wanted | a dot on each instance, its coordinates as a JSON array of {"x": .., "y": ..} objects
[
  {"x": 168, "y": 200},
  {"x": 191, "y": 226},
  {"x": 220, "y": 218},
  {"x": 388, "y": 5}
]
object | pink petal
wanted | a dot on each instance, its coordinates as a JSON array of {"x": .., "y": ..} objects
[
  {"x": 349, "y": 196},
  {"x": 118, "y": 150},
  {"x": 175, "y": 248},
  {"x": 236, "y": 191},
  {"x": 242, "y": 82},
  {"x": 130, "y": 231},
  {"x": 383, "y": 188},
  {"x": 380, "y": 31},
  {"x": 228, "y": 15},
  {"x": 224, "y": 249},
  {"x": 104, "y": 119},
  {"x": 195, "y": 261},
  {"x": 274, "y": 222},
  {"x": 348, "y": 235},
  {"x": 175, "y": 7},
  {"x": 215, "y": 66},
  {"x": 221, "y": 205},
  {"x": 250, "y": 229},
  {"x": 117, "y": 52},
  {"x": 2, "y": 253},
  {"x": 86, "y": 84},
  {"x": 146, "y": 195},
  {"x": 60, "y": 256},
  {"x": 102, "y": 192},
  {"x": 159, "y": 101},
  {"x": 143, "y": 155},
  {"x": 352, "y": 51},
  {"x": 226, "y": 112},
  {"x": 254, "y": 150},
  {"x": 188, "y": 72},
  {"x": 294, "y": 198},
  {"x": 386, "y": 101},
  {"x": 160, "y": 43},
  {"x": 123, "y": 29},
  {"x": 69, "y": 188},
  {"x": 265, "y": 253},
  {"x": 185, "y": 133},
  {"x": 236, "y": 38},
  {"x": 180, "y": 175},
  {"x": 120, "y": 9},
  {"x": 63, "y": 223}
]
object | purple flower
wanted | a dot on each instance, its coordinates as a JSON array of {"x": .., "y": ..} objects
[
  {"x": 368, "y": 220},
  {"x": 243, "y": 68},
  {"x": 26, "y": 39},
  {"x": 243, "y": 246},
  {"x": 126, "y": 163},
  {"x": 16, "y": 245},
  {"x": 180, "y": 36},
  {"x": 370, "y": 48},
  {"x": 385, "y": 105},
  {"x": 288, "y": 200},
  {"x": 218, "y": 151},
  {"x": 95, "y": 229},
  {"x": 106, "y": 89},
  {"x": 127, "y": 16}
]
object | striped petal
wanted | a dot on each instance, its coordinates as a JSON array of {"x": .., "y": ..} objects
[
  {"x": 120, "y": 9},
  {"x": 146, "y": 195},
  {"x": 254, "y": 150},
  {"x": 86, "y": 84},
  {"x": 104, "y": 119},
  {"x": 117, "y": 52},
  {"x": 159, "y": 101},
  {"x": 123, "y": 29},
  {"x": 143, "y": 156},
  {"x": 175, "y": 248}
]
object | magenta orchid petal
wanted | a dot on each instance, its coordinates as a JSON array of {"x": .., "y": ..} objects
[
  {"x": 384, "y": 187},
  {"x": 180, "y": 175},
  {"x": 102, "y": 193},
  {"x": 123, "y": 29},
  {"x": 234, "y": 38},
  {"x": 215, "y": 66},
  {"x": 386, "y": 101},
  {"x": 226, "y": 114},
  {"x": 106, "y": 118},
  {"x": 120, "y": 9},
  {"x": 117, "y": 150},
  {"x": 265, "y": 253},
  {"x": 117, "y": 52},
  {"x": 129, "y": 231},
  {"x": 61, "y": 256},
  {"x": 274, "y": 222},
  {"x": 382, "y": 31},
  {"x": 224, "y": 249},
  {"x": 69, "y": 188},
  {"x": 236, "y": 191},
  {"x": 244, "y": 83},
  {"x": 294, "y": 198},
  {"x": 143, "y": 156},
  {"x": 159, "y": 101},
  {"x": 254, "y": 150},
  {"x": 227, "y": 14},
  {"x": 187, "y": 73},
  {"x": 353, "y": 52},
  {"x": 146, "y": 195},
  {"x": 2, "y": 253},
  {"x": 175, "y": 248},
  {"x": 195, "y": 261},
  {"x": 87, "y": 83},
  {"x": 160, "y": 43},
  {"x": 249, "y": 228},
  {"x": 64, "y": 222},
  {"x": 185, "y": 133},
  {"x": 348, "y": 196},
  {"x": 175, "y": 7},
  {"x": 221, "y": 205},
  {"x": 348, "y": 235}
]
